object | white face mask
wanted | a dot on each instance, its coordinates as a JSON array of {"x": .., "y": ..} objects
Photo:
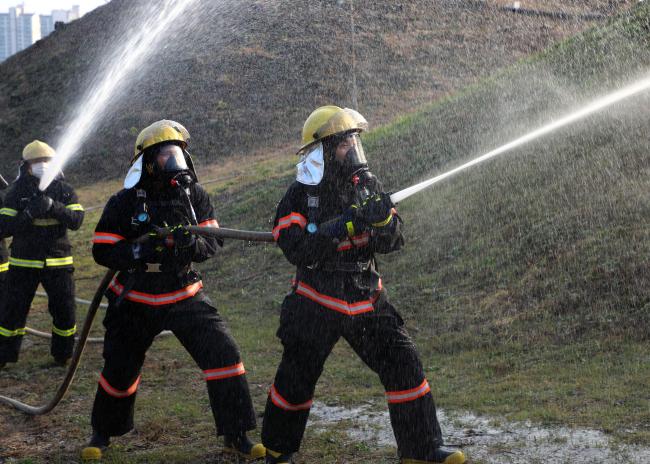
[
  {"x": 38, "y": 169},
  {"x": 311, "y": 167},
  {"x": 134, "y": 174}
]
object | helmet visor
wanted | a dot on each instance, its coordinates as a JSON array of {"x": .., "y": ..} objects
[
  {"x": 171, "y": 158},
  {"x": 349, "y": 150}
]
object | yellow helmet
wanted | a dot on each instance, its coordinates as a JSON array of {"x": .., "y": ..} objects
[
  {"x": 330, "y": 120},
  {"x": 161, "y": 131},
  {"x": 37, "y": 149}
]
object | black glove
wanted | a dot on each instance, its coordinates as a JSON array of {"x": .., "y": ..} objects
[
  {"x": 181, "y": 246},
  {"x": 180, "y": 238},
  {"x": 150, "y": 251},
  {"x": 377, "y": 210},
  {"x": 348, "y": 224},
  {"x": 38, "y": 206}
]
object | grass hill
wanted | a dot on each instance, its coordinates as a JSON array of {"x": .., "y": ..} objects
[
  {"x": 524, "y": 281},
  {"x": 243, "y": 76}
]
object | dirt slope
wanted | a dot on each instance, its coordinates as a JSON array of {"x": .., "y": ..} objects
[{"x": 244, "y": 75}]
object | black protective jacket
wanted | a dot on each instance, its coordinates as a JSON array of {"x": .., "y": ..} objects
[
  {"x": 40, "y": 242},
  {"x": 165, "y": 278},
  {"x": 339, "y": 274},
  {"x": 4, "y": 254}
]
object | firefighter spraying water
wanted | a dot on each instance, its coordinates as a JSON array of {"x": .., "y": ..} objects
[
  {"x": 330, "y": 224},
  {"x": 40, "y": 254},
  {"x": 595, "y": 106},
  {"x": 157, "y": 288},
  {"x": 4, "y": 254}
]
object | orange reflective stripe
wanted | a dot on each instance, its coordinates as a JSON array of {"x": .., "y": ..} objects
[
  {"x": 281, "y": 403},
  {"x": 350, "y": 309},
  {"x": 114, "y": 392},
  {"x": 105, "y": 237},
  {"x": 209, "y": 223},
  {"x": 408, "y": 395},
  {"x": 358, "y": 241},
  {"x": 224, "y": 372},
  {"x": 288, "y": 221},
  {"x": 153, "y": 299}
]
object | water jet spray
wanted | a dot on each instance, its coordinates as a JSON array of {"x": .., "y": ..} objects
[
  {"x": 129, "y": 59},
  {"x": 593, "y": 107}
]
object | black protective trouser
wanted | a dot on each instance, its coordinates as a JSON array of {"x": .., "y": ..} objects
[
  {"x": 21, "y": 286},
  {"x": 3, "y": 291},
  {"x": 308, "y": 332},
  {"x": 130, "y": 330},
  {"x": 3, "y": 288}
]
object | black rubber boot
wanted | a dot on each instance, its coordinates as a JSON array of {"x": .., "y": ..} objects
[
  {"x": 243, "y": 446},
  {"x": 273, "y": 457},
  {"x": 96, "y": 446},
  {"x": 441, "y": 455}
]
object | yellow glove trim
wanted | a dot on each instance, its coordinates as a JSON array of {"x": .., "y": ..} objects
[
  {"x": 350, "y": 227},
  {"x": 385, "y": 222}
]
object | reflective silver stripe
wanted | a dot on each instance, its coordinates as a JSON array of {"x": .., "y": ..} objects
[
  {"x": 281, "y": 403},
  {"x": 288, "y": 221},
  {"x": 105, "y": 237},
  {"x": 30, "y": 263},
  {"x": 54, "y": 262},
  {"x": 64, "y": 333},
  {"x": 75, "y": 207},
  {"x": 408, "y": 395},
  {"x": 114, "y": 392},
  {"x": 12, "y": 333},
  {"x": 209, "y": 223},
  {"x": 335, "y": 304},
  {"x": 45, "y": 222},
  {"x": 157, "y": 299},
  {"x": 8, "y": 212},
  {"x": 224, "y": 372},
  {"x": 357, "y": 241}
]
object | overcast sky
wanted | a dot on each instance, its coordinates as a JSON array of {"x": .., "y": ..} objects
[{"x": 46, "y": 6}]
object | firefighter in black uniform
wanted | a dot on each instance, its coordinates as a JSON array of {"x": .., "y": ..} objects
[
  {"x": 157, "y": 289},
  {"x": 330, "y": 223},
  {"x": 4, "y": 254},
  {"x": 40, "y": 253}
]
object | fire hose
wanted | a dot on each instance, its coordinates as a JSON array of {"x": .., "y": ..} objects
[
  {"x": 594, "y": 106},
  {"x": 74, "y": 362},
  {"x": 94, "y": 305},
  {"x": 38, "y": 333}
]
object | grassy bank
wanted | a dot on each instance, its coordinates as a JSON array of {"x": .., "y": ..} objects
[{"x": 524, "y": 282}]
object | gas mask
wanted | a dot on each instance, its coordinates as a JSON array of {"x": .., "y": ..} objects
[
  {"x": 355, "y": 157},
  {"x": 170, "y": 160},
  {"x": 345, "y": 158},
  {"x": 167, "y": 167}
]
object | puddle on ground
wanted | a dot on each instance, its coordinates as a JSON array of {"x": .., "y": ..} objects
[{"x": 486, "y": 439}]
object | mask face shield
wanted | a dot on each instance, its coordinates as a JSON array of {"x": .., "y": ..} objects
[
  {"x": 349, "y": 151},
  {"x": 311, "y": 167},
  {"x": 171, "y": 159},
  {"x": 134, "y": 174}
]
